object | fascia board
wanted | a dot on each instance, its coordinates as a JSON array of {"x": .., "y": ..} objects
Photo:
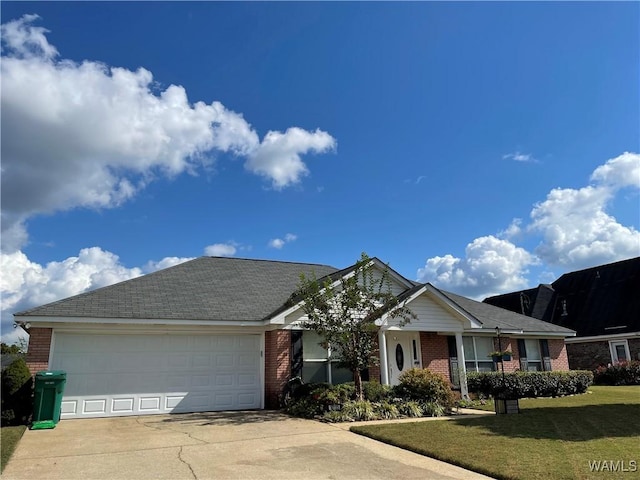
[
  {"x": 391, "y": 271},
  {"x": 41, "y": 320},
  {"x": 152, "y": 329},
  {"x": 603, "y": 338}
]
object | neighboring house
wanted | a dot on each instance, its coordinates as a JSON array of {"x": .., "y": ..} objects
[
  {"x": 602, "y": 304},
  {"x": 224, "y": 333}
]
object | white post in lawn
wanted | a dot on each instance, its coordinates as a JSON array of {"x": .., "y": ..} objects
[
  {"x": 462, "y": 369},
  {"x": 384, "y": 368}
]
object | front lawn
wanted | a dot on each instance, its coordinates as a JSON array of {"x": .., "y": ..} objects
[
  {"x": 10, "y": 436},
  {"x": 552, "y": 438}
]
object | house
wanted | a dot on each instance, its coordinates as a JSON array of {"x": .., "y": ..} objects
[
  {"x": 602, "y": 304},
  {"x": 224, "y": 334}
]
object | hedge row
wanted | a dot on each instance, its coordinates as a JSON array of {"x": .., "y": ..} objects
[
  {"x": 625, "y": 373},
  {"x": 530, "y": 384}
]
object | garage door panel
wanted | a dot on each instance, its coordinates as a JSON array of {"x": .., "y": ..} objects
[{"x": 110, "y": 375}]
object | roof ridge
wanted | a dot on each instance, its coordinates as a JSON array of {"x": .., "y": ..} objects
[{"x": 267, "y": 260}]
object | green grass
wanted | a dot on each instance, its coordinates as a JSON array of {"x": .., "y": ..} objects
[
  {"x": 9, "y": 438},
  {"x": 552, "y": 438}
]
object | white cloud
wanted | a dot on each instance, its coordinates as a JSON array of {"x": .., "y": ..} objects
[
  {"x": 578, "y": 233},
  {"x": 281, "y": 242},
  {"x": 25, "y": 284},
  {"x": 276, "y": 243},
  {"x": 27, "y": 42},
  {"x": 220, "y": 250},
  {"x": 278, "y": 156},
  {"x": 520, "y": 157},
  {"x": 490, "y": 266},
  {"x": 622, "y": 171},
  {"x": 90, "y": 135},
  {"x": 165, "y": 263},
  {"x": 575, "y": 232}
]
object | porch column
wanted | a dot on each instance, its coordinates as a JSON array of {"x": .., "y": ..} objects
[
  {"x": 462, "y": 369},
  {"x": 384, "y": 368}
]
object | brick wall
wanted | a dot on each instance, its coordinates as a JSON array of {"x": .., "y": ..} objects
[
  {"x": 508, "y": 345},
  {"x": 277, "y": 365},
  {"x": 558, "y": 354},
  {"x": 588, "y": 355},
  {"x": 591, "y": 355},
  {"x": 39, "y": 346},
  {"x": 434, "y": 350}
]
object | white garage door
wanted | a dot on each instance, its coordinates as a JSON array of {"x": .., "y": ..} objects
[{"x": 115, "y": 375}]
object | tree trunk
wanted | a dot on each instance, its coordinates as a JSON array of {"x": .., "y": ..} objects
[{"x": 357, "y": 380}]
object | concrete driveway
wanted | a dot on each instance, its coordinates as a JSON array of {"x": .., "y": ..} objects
[{"x": 240, "y": 445}]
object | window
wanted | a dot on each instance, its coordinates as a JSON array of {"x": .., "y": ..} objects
[
  {"x": 619, "y": 351},
  {"x": 476, "y": 354},
  {"x": 320, "y": 364},
  {"x": 534, "y": 357}
]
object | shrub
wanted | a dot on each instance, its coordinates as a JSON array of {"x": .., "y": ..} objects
[
  {"x": 425, "y": 386},
  {"x": 17, "y": 394},
  {"x": 530, "y": 384},
  {"x": 432, "y": 409},
  {"x": 376, "y": 392},
  {"x": 335, "y": 417},
  {"x": 359, "y": 411},
  {"x": 314, "y": 399},
  {"x": 386, "y": 410},
  {"x": 409, "y": 408},
  {"x": 623, "y": 373}
]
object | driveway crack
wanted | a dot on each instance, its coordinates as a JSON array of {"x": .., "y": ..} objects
[
  {"x": 186, "y": 463},
  {"x": 166, "y": 429}
]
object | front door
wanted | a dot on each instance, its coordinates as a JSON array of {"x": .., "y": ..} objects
[{"x": 403, "y": 353}]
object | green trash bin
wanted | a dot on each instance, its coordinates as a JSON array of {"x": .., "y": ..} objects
[{"x": 48, "y": 390}]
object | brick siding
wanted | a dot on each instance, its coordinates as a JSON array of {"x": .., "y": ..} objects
[
  {"x": 591, "y": 355},
  {"x": 558, "y": 354},
  {"x": 434, "y": 350},
  {"x": 277, "y": 365},
  {"x": 39, "y": 347}
]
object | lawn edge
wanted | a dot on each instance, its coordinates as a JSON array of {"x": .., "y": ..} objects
[
  {"x": 360, "y": 430},
  {"x": 10, "y": 452}
]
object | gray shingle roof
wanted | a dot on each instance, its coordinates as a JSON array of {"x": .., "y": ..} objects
[
  {"x": 206, "y": 288},
  {"x": 492, "y": 317}
]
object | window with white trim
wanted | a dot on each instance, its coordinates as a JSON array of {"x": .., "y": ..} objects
[
  {"x": 476, "y": 354},
  {"x": 320, "y": 364},
  {"x": 619, "y": 351}
]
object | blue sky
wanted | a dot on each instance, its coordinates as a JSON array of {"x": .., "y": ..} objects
[{"x": 484, "y": 147}]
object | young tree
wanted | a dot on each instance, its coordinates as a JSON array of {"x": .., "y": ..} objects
[{"x": 344, "y": 315}]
